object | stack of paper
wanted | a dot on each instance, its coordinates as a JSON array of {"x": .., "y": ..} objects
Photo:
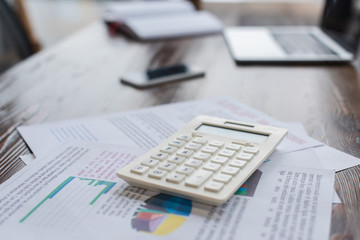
[
  {"x": 70, "y": 190},
  {"x": 152, "y": 20}
]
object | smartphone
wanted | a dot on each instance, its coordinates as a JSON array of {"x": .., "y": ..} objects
[{"x": 162, "y": 75}]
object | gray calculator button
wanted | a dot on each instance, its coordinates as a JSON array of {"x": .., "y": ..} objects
[
  {"x": 159, "y": 156},
  {"x": 177, "y": 143},
  {"x": 200, "y": 140},
  {"x": 233, "y": 146},
  {"x": 139, "y": 169},
  {"x": 198, "y": 178},
  {"x": 184, "y": 137},
  {"x": 185, "y": 153},
  {"x": 209, "y": 149},
  {"x": 226, "y": 153},
  {"x": 185, "y": 170},
  {"x": 193, "y": 146},
  {"x": 216, "y": 143},
  {"x": 237, "y": 163},
  {"x": 175, "y": 178},
  {"x": 168, "y": 149},
  {"x": 213, "y": 186},
  {"x": 167, "y": 166},
  {"x": 220, "y": 160},
  {"x": 211, "y": 166},
  {"x": 193, "y": 163},
  {"x": 176, "y": 159},
  {"x": 251, "y": 150},
  {"x": 157, "y": 173},
  {"x": 150, "y": 162},
  {"x": 245, "y": 156},
  {"x": 230, "y": 170},
  {"x": 224, "y": 178},
  {"x": 202, "y": 156}
]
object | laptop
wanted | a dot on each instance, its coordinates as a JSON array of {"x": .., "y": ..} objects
[{"x": 335, "y": 40}]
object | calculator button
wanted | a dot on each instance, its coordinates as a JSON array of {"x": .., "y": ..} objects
[
  {"x": 176, "y": 143},
  {"x": 251, "y": 150},
  {"x": 212, "y": 166},
  {"x": 202, "y": 156},
  {"x": 230, "y": 170},
  {"x": 193, "y": 163},
  {"x": 185, "y": 170},
  {"x": 198, "y": 178},
  {"x": 184, "y": 137},
  {"x": 158, "y": 174},
  {"x": 237, "y": 163},
  {"x": 150, "y": 162},
  {"x": 193, "y": 146},
  {"x": 213, "y": 186},
  {"x": 245, "y": 156},
  {"x": 224, "y": 178},
  {"x": 233, "y": 146},
  {"x": 226, "y": 153},
  {"x": 216, "y": 143},
  {"x": 168, "y": 149},
  {"x": 167, "y": 166},
  {"x": 185, "y": 153},
  {"x": 159, "y": 156},
  {"x": 175, "y": 178},
  {"x": 220, "y": 160},
  {"x": 176, "y": 159},
  {"x": 200, "y": 140},
  {"x": 139, "y": 169},
  {"x": 209, "y": 149}
]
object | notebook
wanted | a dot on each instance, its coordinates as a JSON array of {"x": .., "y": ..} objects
[{"x": 152, "y": 20}]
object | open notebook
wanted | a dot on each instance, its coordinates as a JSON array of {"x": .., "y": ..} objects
[{"x": 159, "y": 19}]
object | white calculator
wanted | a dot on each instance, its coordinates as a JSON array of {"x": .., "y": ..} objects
[{"x": 206, "y": 161}]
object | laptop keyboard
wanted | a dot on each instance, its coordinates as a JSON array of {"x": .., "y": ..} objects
[{"x": 301, "y": 44}]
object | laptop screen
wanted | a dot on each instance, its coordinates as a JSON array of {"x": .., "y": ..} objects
[{"x": 341, "y": 20}]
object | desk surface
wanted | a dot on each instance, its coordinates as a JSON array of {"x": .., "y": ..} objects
[{"x": 80, "y": 77}]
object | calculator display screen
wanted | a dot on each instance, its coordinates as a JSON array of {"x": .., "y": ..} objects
[{"x": 232, "y": 133}]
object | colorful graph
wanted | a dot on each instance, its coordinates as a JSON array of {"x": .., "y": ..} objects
[
  {"x": 249, "y": 187},
  {"x": 161, "y": 214},
  {"x": 72, "y": 199}
]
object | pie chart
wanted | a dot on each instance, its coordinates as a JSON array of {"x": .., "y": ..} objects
[{"x": 161, "y": 214}]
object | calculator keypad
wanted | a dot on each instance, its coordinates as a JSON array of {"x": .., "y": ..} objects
[
  {"x": 206, "y": 161},
  {"x": 197, "y": 162}
]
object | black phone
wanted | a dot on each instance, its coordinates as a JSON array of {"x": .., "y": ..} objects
[{"x": 151, "y": 78}]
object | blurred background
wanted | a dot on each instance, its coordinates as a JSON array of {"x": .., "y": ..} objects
[{"x": 44, "y": 23}]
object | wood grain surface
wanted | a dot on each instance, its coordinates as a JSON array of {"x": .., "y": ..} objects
[{"x": 80, "y": 77}]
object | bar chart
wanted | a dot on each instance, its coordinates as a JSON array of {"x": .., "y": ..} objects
[{"x": 73, "y": 199}]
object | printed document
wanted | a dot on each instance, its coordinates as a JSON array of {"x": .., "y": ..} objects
[
  {"x": 74, "y": 193},
  {"x": 147, "y": 127}
]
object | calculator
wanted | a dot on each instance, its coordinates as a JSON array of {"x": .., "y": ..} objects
[{"x": 206, "y": 161}]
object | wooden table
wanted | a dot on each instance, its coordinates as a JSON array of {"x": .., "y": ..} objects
[{"x": 80, "y": 77}]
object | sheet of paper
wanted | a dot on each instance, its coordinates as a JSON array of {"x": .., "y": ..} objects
[
  {"x": 332, "y": 158},
  {"x": 307, "y": 158},
  {"x": 74, "y": 194},
  {"x": 147, "y": 127},
  {"x": 28, "y": 158},
  {"x": 336, "y": 198}
]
